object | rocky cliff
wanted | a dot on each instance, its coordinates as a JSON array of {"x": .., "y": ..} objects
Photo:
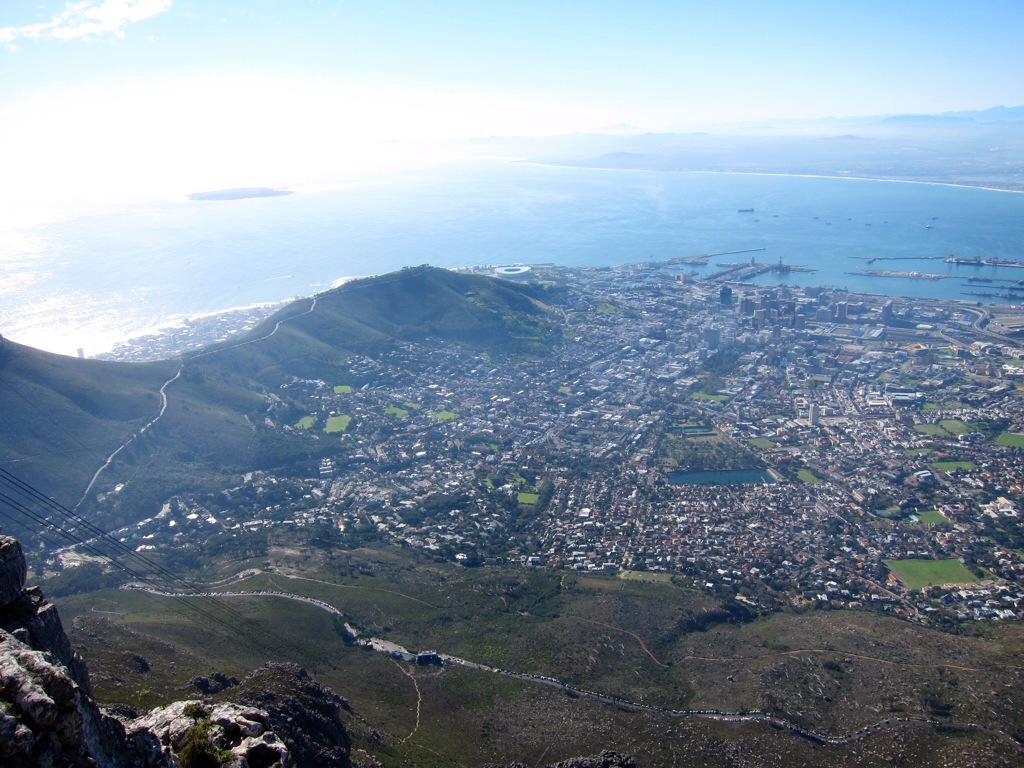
[
  {"x": 607, "y": 759},
  {"x": 48, "y": 715}
]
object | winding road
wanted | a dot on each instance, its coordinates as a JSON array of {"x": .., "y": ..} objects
[
  {"x": 376, "y": 280},
  {"x": 164, "y": 399},
  {"x": 392, "y": 649}
]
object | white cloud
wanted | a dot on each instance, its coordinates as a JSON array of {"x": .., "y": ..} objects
[{"x": 89, "y": 18}]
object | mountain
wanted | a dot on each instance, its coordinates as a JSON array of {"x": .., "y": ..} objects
[
  {"x": 994, "y": 115},
  {"x": 370, "y": 315},
  {"x": 983, "y": 148},
  {"x": 63, "y": 417},
  {"x": 48, "y": 715}
]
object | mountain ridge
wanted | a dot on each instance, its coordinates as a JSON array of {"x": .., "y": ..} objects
[{"x": 68, "y": 416}]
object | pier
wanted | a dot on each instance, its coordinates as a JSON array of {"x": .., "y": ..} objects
[
  {"x": 745, "y": 271},
  {"x": 702, "y": 258},
  {"x": 905, "y": 275},
  {"x": 977, "y": 262},
  {"x": 872, "y": 259},
  {"x": 1014, "y": 297}
]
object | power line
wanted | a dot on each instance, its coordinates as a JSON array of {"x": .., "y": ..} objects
[
  {"x": 17, "y": 506},
  {"x": 254, "y": 635},
  {"x": 33, "y": 495},
  {"x": 26, "y": 490}
]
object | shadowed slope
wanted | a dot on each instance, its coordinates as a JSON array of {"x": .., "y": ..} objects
[
  {"x": 63, "y": 417},
  {"x": 60, "y": 417}
]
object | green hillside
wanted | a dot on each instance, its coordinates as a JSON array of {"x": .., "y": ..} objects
[
  {"x": 63, "y": 417},
  {"x": 367, "y": 316}
]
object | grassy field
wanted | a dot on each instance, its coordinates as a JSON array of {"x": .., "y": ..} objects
[
  {"x": 931, "y": 517},
  {"x": 656, "y": 578},
  {"x": 305, "y": 422},
  {"x": 686, "y": 432},
  {"x": 343, "y": 389},
  {"x": 944, "y": 428},
  {"x": 1010, "y": 440},
  {"x": 710, "y": 397},
  {"x": 763, "y": 443},
  {"x": 444, "y": 415},
  {"x": 527, "y": 498},
  {"x": 939, "y": 406},
  {"x": 394, "y": 410},
  {"x": 918, "y": 574},
  {"x": 806, "y": 476},
  {"x": 955, "y": 426},
  {"x": 949, "y": 466},
  {"x": 337, "y": 423},
  {"x": 412, "y": 406},
  {"x": 637, "y": 636}
]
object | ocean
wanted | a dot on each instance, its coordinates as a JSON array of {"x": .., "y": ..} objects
[{"x": 96, "y": 280}]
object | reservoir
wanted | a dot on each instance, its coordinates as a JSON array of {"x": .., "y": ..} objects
[{"x": 721, "y": 477}]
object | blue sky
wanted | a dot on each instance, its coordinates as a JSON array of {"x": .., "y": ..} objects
[{"x": 187, "y": 93}]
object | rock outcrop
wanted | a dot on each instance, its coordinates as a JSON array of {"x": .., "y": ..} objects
[
  {"x": 13, "y": 570},
  {"x": 48, "y": 715},
  {"x": 212, "y": 684},
  {"x": 306, "y": 716},
  {"x": 240, "y": 736},
  {"x": 606, "y": 759}
]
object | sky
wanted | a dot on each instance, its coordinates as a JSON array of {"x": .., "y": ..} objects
[{"x": 100, "y": 98}]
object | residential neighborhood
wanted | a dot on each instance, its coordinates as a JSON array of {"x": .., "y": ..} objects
[{"x": 785, "y": 446}]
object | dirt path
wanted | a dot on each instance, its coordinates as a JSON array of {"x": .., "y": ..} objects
[
  {"x": 419, "y": 700},
  {"x": 634, "y": 635},
  {"x": 708, "y": 714},
  {"x": 353, "y": 586},
  {"x": 164, "y": 399}
]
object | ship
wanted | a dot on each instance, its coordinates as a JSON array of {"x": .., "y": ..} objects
[{"x": 745, "y": 210}]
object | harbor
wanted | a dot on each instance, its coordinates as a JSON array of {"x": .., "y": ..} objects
[
  {"x": 751, "y": 269},
  {"x": 703, "y": 258},
  {"x": 979, "y": 262},
  {"x": 915, "y": 275}
]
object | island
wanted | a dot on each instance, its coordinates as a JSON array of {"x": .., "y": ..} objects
[{"x": 240, "y": 193}]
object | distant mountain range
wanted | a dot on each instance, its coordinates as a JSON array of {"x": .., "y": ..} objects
[
  {"x": 980, "y": 148},
  {"x": 993, "y": 115}
]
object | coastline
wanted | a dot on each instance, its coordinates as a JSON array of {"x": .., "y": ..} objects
[
  {"x": 960, "y": 185},
  {"x": 176, "y": 336},
  {"x": 116, "y": 323},
  {"x": 184, "y": 334}
]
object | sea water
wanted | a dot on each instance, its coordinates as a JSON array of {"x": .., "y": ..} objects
[{"x": 96, "y": 280}]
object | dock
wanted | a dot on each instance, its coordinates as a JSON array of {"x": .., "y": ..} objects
[
  {"x": 1015, "y": 297},
  {"x": 871, "y": 259},
  {"x": 745, "y": 271},
  {"x": 903, "y": 275},
  {"x": 702, "y": 258},
  {"x": 985, "y": 262}
]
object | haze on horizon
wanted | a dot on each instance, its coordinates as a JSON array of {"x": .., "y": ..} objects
[{"x": 101, "y": 99}]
